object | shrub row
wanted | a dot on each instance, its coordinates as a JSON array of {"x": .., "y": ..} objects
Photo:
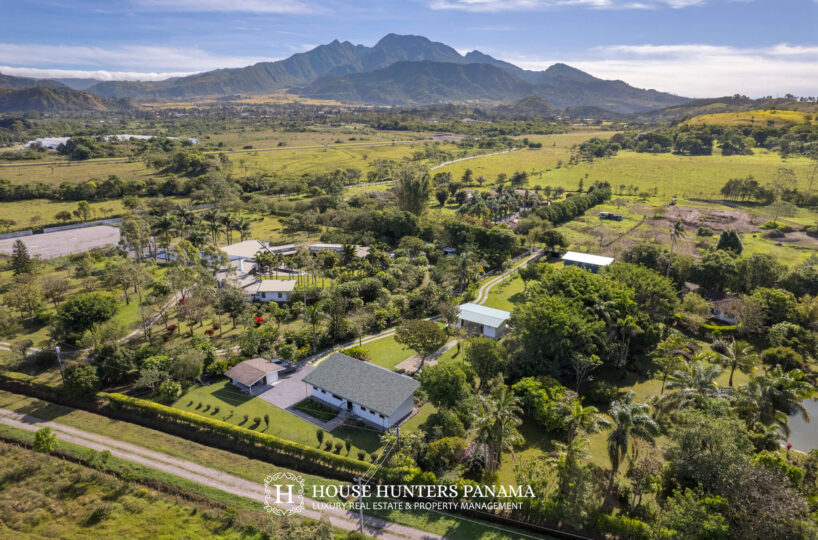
[{"x": 277, "y": 445}]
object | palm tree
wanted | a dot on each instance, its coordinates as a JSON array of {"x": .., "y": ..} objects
[
  {"x": 213, "y": 219},
  {"x": 773, "y": 397},
  {"x": 693, "y": 386},
  {"x": 313, "y": 315},
  {"x": 227, "y": 226},
  {"x": 242, "y": 225},
  {"x": 677, "y": 232},
  {"x": 497, "y": 418},
  {"x": 738, "y": 354},
  {"x": 630, "y": 421},
  {"x": 579, "y": 419},
  {"x": 467, "y": 270},
  {"x": 163, "y": 227}
]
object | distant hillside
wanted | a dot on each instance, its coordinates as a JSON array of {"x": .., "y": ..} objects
[
  {"x": 436, "y": 82},
  {"x": 421, "y": 83},
  {"x": 728, "y": 104},
  {"x": 60, "y": 99},
  {"x": 260, "y": 78},
  {"x": 528, "y": 108},
  {"x": 8, "y": 81},
  {"x": 762, "y": 118},
  {"x": 336, "y": 71},
  {"x": 78, "y": 84}
]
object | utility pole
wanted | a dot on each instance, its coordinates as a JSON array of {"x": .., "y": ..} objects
[{"x": 360, "y": 505}]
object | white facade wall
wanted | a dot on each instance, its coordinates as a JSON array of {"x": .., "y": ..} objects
[
  {"x": 327, "y": 397},
  {"x": 370, "y": 416},
  {"x": 404, "y": 410},
  {"x": 357, "y": 410}
]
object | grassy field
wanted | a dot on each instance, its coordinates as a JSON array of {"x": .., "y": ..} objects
[
  {"x": 234, "y": 406},
  {"x": 296, "y": 162},
  {"x": 75, "y": 172},
  {"x": 762, "y": 118},
  {"x": 554, "y": 148},
  {"x": 673, "y": 175},
  {"x": 43, "y": 496}
]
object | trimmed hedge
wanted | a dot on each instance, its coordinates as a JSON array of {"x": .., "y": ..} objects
[{"x": 277, "y": 445}]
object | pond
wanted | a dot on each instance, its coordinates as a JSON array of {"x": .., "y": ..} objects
[{"x": 804, "y": 435}]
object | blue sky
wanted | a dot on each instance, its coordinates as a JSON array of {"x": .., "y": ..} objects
[{"x": 690, "y": 47}]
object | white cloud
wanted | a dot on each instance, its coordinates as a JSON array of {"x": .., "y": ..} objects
[
  {"x": 700, "y": 70},
  {"x": 535, "y": 5},
  {"x": 130, "y": 62},
  {"x": 100, "y": 75},
  {"x": 247, "y": 6}
]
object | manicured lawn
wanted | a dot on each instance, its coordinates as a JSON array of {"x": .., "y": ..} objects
[
  {"x": 316, "y": 410},
  {"x": 234, "y": 405},
  {"x": 387, "y": 352},
  {"x": 506, "y": 295}
]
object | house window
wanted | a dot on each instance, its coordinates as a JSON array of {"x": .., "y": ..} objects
[
  {"x": 382, "y": 416},
  {"x": 363, "y": 408},
  {"x": 280, "y": 295},
  {"x": 336, "y": 397},
  {"x": 314, "y": 387}
]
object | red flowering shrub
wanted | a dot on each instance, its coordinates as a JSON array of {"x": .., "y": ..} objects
[
  {"x": 171, "y": 327},
  {"x": 259, "y": 320},
  {"x": 216, "y": 326},
  {"x": 209, "y": 332}
]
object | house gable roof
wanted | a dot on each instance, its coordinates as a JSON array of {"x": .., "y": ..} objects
[
  {"x": 251, "y": 371},
  {"x": 486, "y": 316},
  {"x": 587, "y": 258},
  {"x": 364, "y": 383}
]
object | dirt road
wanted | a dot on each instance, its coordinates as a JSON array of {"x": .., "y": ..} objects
[{"x": 209, "y": 477}]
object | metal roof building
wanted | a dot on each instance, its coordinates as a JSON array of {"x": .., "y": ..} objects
[
  {"x": 586, "y": 260},
  {"x": 488, "y": 321}
]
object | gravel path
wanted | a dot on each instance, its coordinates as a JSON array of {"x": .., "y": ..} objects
[{"x": 209, "y": 477}]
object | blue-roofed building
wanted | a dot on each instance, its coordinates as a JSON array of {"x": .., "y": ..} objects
[{"x": 482, "y": 320}]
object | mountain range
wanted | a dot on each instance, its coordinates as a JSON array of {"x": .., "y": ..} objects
[
  {"x": 21, "y": 94},
  {"x": 399, "y": 70}
]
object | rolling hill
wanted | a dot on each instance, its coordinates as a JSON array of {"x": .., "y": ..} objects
[
  {"x": 46, "y": 99},
  {"x": 400, "y": 70},
  {"x": 9, "y": 81}
]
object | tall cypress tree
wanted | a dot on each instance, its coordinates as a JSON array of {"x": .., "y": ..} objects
[{"x": 20, "y": 259}]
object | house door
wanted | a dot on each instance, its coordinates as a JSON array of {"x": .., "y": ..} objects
[
  {"x": 349, "y": 405},
  {"x": 264, "y": 380}
]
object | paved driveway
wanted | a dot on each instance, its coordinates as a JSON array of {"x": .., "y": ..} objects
[{"x": 289, "y": 390}]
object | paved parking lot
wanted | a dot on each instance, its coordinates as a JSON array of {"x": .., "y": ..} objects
[{"x": 62, "y": 243}]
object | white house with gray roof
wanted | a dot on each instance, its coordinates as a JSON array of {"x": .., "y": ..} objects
[
  {"x": 374, "y": 394},
  {"x": 486, "y": 321}
]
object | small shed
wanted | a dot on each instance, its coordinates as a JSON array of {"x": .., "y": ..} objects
[
  {"x": 483, "y": 320},
  {"x": 254, "y": 374},
  {"x": 586, "y": 260}
]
